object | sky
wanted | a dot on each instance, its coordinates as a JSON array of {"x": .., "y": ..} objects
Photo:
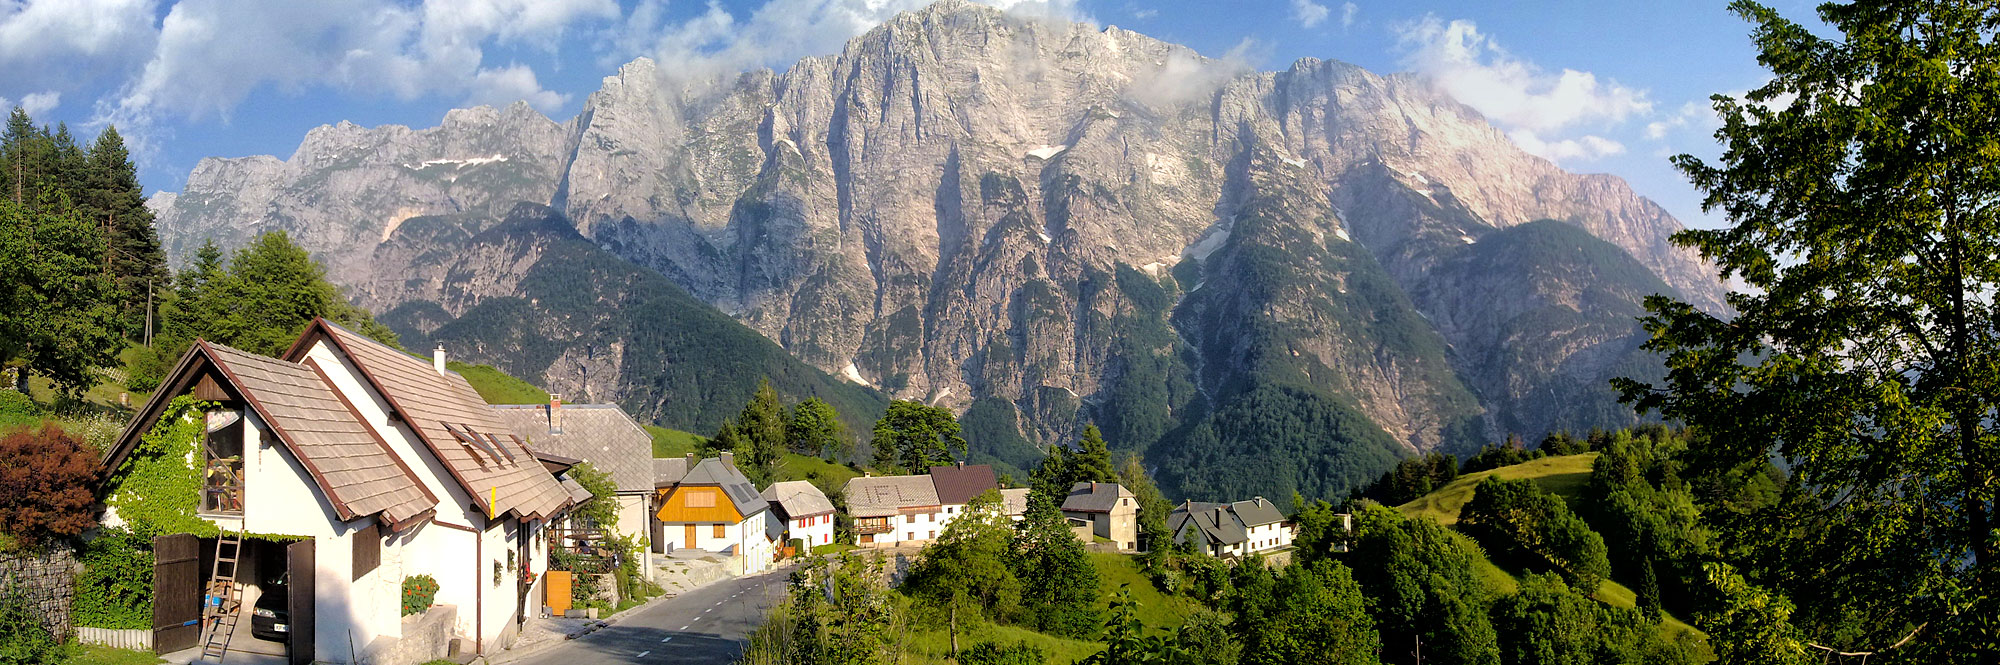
[{"x": 1609, "y": 86}]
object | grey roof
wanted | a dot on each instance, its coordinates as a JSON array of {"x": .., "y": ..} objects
[
  {"x": 601, "y": 434},
  {"x": 798, "y": 498},
  {"x": 878, "y": 496},
  {"x": 1016, "y": 500},
  {"x": 1225, "y": 523},
  {"x": 1088, "y": 497},
  {"x": 576, "y": 491},
  {"x": 714, "y": 471},
  {"x": 669, "y": 470}
]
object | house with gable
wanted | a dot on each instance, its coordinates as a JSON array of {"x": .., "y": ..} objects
[
  {"x": 802, "y": 512},
  {"x": 355, "y": 466},
  {"x": 957, "y": 484},
  {"x": 713, "y": 507},
  {"x": 1111, "y": 510},
  {"x": 891, "y": 511},
  {"x": 604, "y": 436},
  {"x": 1234, "y": 529}
]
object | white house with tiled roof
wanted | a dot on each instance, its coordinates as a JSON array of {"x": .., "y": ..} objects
[
  {"x": 369, "y": 466},
  {"x": 803, "y": 513},
  {"x": 604, "y": 436},
  {"x": 714, "y": 508}
]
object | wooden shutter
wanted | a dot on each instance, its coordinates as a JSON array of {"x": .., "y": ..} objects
[
  {"x": 299, "y": 586},
  {"x": 367, "y": 550},
  {"x": 176, "y": 592}
]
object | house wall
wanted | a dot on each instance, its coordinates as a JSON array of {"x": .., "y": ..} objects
[
  {"x": 459, "y": 547},
  {"x": 1268, "y": 537},
  {"x": 815, "y": 531}
]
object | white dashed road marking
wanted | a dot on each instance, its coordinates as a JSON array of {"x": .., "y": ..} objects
[
  {"x": 642, "y": 654},
  {"x": 668, "y": 638},
  {"x": 684, "y": 627}
]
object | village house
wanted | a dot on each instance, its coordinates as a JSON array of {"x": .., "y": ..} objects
[
  {"x": 1230, "y": 529},
  {"x": 803, "y": 513},
  {"x": 714, "y": 508},
  {"x": 891, "y": 511},
  {"x": 1112, "y": 511},
  {"x": 352, "y": 466},
  {"x": 957, "y": 484},
  {"x": 607, "y": 438},
  {"x": 1014, "y": 502}
]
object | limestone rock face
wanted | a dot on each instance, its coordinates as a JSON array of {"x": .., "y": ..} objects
[{"x": 1035, "y": 223}]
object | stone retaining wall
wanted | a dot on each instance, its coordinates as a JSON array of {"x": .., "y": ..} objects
[
  {"x": 426, "y": 637},
  {"x": 47, "y": 581}
]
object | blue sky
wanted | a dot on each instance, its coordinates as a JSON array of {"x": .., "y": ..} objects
[{"x": 1610, "y": 86}]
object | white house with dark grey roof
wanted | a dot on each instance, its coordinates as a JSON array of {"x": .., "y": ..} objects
[
  {"x": 604, "y": 436},
  {"x": 1234, "y": 529},
  {"x": 1112, "y": 510},
  {"x": 802, "y": 511},
  {"x": 386, "y": 466},
  {"x": 714, "y": 508}
]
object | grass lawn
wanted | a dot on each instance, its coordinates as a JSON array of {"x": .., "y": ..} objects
[
  {"x": 1159, "y": 610},
  {"x": 829, "y": 477},
  {"x": 831, "y": 548},
  {"x": 1562, "y": 476},
  {"x": 497, "y": 387},
  {"x": 672, "y": 442},
  {"x": 933, "y": 645},
  {"x": 91, "y": 654}
]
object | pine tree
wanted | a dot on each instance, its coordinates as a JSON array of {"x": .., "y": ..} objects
[
  {"x": 762, "y": 425},
  {"x": 1058, "y": 583},
  {"x": 815, "y": 429},
  {"x": 111, "y": 195},
  {"x": 1092, "y": 462}
]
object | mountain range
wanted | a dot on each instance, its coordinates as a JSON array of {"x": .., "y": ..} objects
[{"x": 1266, "y": 282}]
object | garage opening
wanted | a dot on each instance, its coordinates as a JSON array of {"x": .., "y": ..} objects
[{"x": 272, "y": 597}]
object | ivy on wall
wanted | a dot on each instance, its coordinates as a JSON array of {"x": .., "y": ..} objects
[
  {"x": 115, "y": 589},
  {"x": 158, "y": 489}
]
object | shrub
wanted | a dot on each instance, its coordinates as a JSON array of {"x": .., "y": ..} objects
[
  {"x": 418, "y": 592},
  {"x": 23, "y": 640},
  {"x": 994, "y": 653},
  {"x": 16, "y": 408},
  {"x": 46, "y": 478},
  {"x": 115, "y": 589}
]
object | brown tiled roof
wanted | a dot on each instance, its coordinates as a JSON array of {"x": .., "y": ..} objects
[
  {"x": 958, "y": 484},
  {"x": 357, "y": 471},
  {"x": 600, "y": 434},
  {"x": 464, "y": 433}
]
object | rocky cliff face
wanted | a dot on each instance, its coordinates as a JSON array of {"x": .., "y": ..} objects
[{"x": 1040, "y": 224}]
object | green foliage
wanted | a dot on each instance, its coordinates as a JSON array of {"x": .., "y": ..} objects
[
  {"x": 1154, "y": 539},
  {"x": 17, "y": 408},
  {"x": 1533, "y": 529},
  {"x": 58, "y": 309},
  {"x": 912, "y": 436},
  {"x": 1314, "y": 614},
  {"x": 115, "y": 587},
  {"x": 673, "y": 442},
  {"x": 1092, "y": 461},
  {"x": 963, "y": 574},
  {"x": 601, "y": 510},
  {"x": 23, "y": 639},
  {"x": 839, "y": 613},
  {"x": 1414, "y": 477},
  {"x": 815, "y": 429},
  {"x": 1276, "y": 440},
  {"x": 1058, "y": 583},
  {"x": 497, "y": 387},
  {"x": 1318, "y": 530},
  {"x": 1494, "y": 456},
  {"x": 1420, "y": 585},
  {"x": 419, "y": 591},
  {"x": 1549, "y": 623},
  {"x": 1648, "y": 518},
  {"x": 762, "y": 425},
  {"x": 1860, "y": 351},
  {"x": 158, "y": 488},
  {"x": 995, "y": 653}
]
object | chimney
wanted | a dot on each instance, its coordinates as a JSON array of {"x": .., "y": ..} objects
[
  {"x": 437, "y": 358},
  {"x": 555, "y": 413},
  {"x": 690, "y": 462},
  {"x": 729, "y": 459},
  {"x": 961, "y": 464}
]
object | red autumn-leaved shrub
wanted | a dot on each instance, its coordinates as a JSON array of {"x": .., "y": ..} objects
[{"x": 46, "y": 484}]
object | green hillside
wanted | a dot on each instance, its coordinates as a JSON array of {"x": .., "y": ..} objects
[
  {"x": 1563, "y": 476},
  {"x": 497, "y": 387}
]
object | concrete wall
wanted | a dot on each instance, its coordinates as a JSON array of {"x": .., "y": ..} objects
[{"x": 426, "y": 637}]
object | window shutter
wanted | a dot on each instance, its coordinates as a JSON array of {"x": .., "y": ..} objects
[{"x": 367, "y": 550}]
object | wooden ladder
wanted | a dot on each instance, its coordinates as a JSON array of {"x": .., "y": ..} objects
[{"x": 222, "y": 604}]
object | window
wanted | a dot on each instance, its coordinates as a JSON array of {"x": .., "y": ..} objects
[
  {"x": 222, "y": 470},
  {"x": 718, "y": 531},
  {"x": 909, "y": 519},
  {"x": 367, "y": 550},
  {"x": 932, "y": 535},
  {"x": 701, "y": 498}
]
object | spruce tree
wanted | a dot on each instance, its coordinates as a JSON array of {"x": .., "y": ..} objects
[
  {"x": 110, "y": 194},
  {"x": 1092, "y": 461}
]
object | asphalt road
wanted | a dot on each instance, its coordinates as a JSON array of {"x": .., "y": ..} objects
[{"x": 707, "y": 625}]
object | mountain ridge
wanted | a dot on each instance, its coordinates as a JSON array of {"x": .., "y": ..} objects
[{"x": 961, "y": 208}]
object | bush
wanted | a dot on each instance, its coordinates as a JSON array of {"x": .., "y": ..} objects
[
  {"x": 23, "y": 640},
  {"x": 418, "y": 592},
  {"x": 994, "y": 653},
  {"x": 115, "y": 589},
  {"x": 1523, "y": 525},
  {"x": 46, "y": 478},
  {"x": 16, "y": 408}
]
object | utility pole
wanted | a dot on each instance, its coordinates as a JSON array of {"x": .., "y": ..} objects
[{"x": 149, "y": 313}]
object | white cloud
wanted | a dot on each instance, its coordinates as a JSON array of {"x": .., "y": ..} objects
[
  {"x": 1348, "y": 12},
  {"x": 1513, "y": 93},
  {"x": 1187, "y": 76},
  {"x": 1309, "y": 13},
  {"x": 47, "y": 43},
  {"x": 775, "y": 34},
  {"x": 1699, "y": 116},
  {"x": 35, "y": 103},
  {"x": 211, "y": 54},
  {"x": 1584, "y": 148}
]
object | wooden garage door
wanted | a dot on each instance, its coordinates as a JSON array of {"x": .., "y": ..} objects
[
  {"x": 176, "y": 592},
  {"x": 299, "y": 584}
]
